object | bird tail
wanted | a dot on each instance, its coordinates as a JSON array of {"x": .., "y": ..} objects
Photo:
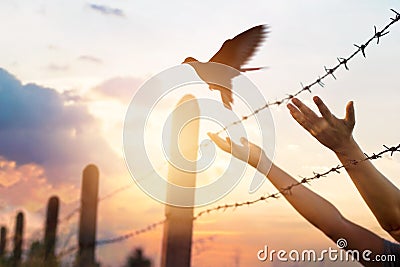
[{"x": 251, "y": 69}]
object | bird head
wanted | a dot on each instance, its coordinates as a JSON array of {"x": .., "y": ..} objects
[{"x": 189, "y": 59}]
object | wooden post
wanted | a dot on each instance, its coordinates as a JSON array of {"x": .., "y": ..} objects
[
  {"x": 51, "y": 231},
  {"x": 18, "y": 239},
  {"x": 177, "y": 237},
  {"x": 3, "y": 241},
  {"x": 88, "y": 217}
]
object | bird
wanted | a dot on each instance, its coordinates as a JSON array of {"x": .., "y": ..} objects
[{"x": 235, "y": 53}]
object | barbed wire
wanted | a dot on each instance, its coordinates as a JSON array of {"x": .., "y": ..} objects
[
  {"x": 328, "y": 72},
  {"x": 198, "y": 243},
  {"x": 304, "y": 180},
  {"x": 388, "y": 150},
  {"x": 131, "y": 234},
  {"x": 117, "y": 239}
]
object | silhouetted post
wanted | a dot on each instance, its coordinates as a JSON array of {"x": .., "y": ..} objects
[
  {"x": 88, "y": 217},
  {"x": 51, "y": 230},
  {"x": 3, "y": 241},
  {"x": 177, "y": 237},
  {"x": 18, "y": 239}
]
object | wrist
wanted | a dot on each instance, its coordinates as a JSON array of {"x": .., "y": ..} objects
[
  {"x": 264, "y": 165},
  {"x": 349, "y": 150}
]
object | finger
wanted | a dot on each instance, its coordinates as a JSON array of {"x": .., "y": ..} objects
[
  {"x": 221, "y": 143},
  {"x": 299, "y": 117},
  {"x": 325, "y": 112},
  {"x": 237, "y": 150},
  {"x": 350, "y": 117},
  {"x": 306, "y": 110},
  {"x": 228, "y": 141}
]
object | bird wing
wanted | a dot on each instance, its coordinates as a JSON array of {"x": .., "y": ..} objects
[{"x": 237, "y": 51}]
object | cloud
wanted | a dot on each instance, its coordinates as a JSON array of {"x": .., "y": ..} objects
[
  {"x": 30, "y": 191},
  {"x": 71, "y": 96},
  {"x": 120, "y": 88},
  {"x": 105, "y": 10},
  {"x": 56, "y": 67},
  {"x": 43, "y": 127},
  {"x": 90, "y": 59}
]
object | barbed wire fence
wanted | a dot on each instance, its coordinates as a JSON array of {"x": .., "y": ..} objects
[{"x": 389, "y": 150}]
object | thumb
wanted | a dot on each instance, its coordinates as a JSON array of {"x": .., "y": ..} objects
[
  {"x": 350, "y": 117},
  {"x": 244, "y": 141}
]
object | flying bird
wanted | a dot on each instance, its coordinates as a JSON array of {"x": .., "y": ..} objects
[{"x": 235, "y": 53}]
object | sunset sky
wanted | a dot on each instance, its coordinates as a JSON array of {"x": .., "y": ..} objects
[{"x": 69, "y": 69}]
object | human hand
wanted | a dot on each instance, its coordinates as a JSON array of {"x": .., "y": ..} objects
[
  {"x": 247, "y": 152},
  {"x": 334, "y": 133}
]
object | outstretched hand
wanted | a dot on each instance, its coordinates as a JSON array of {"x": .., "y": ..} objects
[
  {"x": 247, "y": 152},
  {"x": 330, "y": 131}
]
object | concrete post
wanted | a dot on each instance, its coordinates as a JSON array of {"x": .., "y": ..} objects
[
  {"x": 51, "y": 230},
  {"x": 177, "y": 238},
  {"x": 88, "y": 217},
  {"x": 18, "y": 240}
]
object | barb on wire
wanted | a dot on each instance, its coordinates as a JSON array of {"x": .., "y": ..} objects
[
  {"x": 343, "y": 61},
  {"x": 328, "y": 71},
  {"x": 379, "y": 34},
  {"x": 397, "y": 15},
  {"x": 287, "y": 190}
]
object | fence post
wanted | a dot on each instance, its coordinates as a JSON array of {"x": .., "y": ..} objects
[
  {"x": 177, "y": 237},
  {"x": 3, "y": 241},
  {"x": 18, "y": 239},
  {"x": 51, "y": 231},
  {"x": 88, "y": 217}
]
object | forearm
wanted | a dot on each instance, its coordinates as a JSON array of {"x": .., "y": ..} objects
[
  {"x": 323, "y": 215},
  {"x": 381, "y": 196},
  {"x": 310, "y": 205}
]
